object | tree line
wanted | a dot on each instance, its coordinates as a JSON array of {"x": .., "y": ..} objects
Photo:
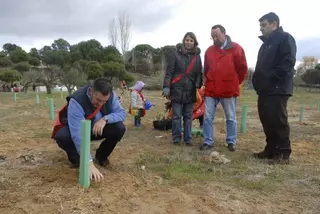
[
  {"x": 61, "y": 63},
  {"x": 75, "y": 65},
  {"x": 307, "y": 73}
]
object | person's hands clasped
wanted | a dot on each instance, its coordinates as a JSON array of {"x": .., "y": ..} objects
[{"x": 98, "y": 127}]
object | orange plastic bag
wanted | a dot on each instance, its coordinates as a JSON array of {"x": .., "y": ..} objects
[
  {"x": 199, "y": 100},
  {"x": 198, "y": 108}
]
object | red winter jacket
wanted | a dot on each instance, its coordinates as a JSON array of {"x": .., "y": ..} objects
[{"x": 224, "y": 70}]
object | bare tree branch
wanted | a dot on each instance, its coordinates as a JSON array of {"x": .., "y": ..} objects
[
  {"x": 124, "y": 22},
  {"x": 31, "y": 76},
  {"x": 49, "y": 76},
  {"x": 309, "y": 62},
  {"x": 71, "y": 77},
  {"x": 113, "y": 32}
]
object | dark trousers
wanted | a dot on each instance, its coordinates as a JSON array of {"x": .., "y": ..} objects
[
  {"x": 201, "y": 121},
  {"x": 274, "y": 118},
  {"x": 112, "y": 133}
]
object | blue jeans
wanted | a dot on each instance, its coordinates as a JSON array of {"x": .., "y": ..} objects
[
  {"x": 185, "y": 111},
  {"x": 229, "y": 107}
]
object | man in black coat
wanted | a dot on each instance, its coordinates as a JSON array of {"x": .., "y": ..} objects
[{"x": 273, "y": 82}]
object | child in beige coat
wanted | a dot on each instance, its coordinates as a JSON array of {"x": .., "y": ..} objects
[{"x": 137, "y": 103}]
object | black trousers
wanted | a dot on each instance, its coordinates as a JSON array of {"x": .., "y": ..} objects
[
  {"x": 201, "y": 120},
  {"x": 274, "y": 118},
  {"x": 112, "y": 133}
]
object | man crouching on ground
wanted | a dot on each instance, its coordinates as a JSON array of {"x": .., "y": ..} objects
[{"x": 99, "y": 103}]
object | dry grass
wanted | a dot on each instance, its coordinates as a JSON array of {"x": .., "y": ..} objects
[{"x": 149, "y": 175}]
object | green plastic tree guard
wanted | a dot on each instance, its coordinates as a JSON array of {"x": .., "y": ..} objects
[
  {"x": 301, "y": 113},
  {"x": 51, "y": 108},
  {"x": 244, "y": 115},
  {"x": 37, "y": 99},
  {"x": 84, "y": 179}
]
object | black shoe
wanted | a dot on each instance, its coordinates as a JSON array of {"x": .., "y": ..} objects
[
  {"x": 176, "y": 143},
  {"x": 100, "y": 163},
  {"x": 262, "y": 155},
  {"x": 74, "y": 166},
  {"x": 231, "y": 147},
  {"x": 189, "y": 143},
  {"x": 279, "y": 158},
  {"x": 279, "y": 161},
  {"x": 205, "y": 146}
]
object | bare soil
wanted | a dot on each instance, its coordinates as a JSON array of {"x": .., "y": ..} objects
[{"x": 150, "y": 175}]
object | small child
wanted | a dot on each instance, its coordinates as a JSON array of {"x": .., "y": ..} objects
[
  {"x": 123, "y": 87},
  {"x": 137, "y": 103}
]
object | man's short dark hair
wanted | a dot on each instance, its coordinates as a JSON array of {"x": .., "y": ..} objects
[
  {"x": 270, "y": 17},
  {"x": 222, "y": 29},
  {"x": 102, "y": 85}
]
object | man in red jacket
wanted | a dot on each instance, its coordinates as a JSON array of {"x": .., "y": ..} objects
[{"x": 225, "y": 68}]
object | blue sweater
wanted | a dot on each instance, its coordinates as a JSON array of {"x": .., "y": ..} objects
[{"x": 76, "y": 115}]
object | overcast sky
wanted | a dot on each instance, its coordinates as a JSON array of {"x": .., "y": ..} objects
[{"x": 35, "y": 23}]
